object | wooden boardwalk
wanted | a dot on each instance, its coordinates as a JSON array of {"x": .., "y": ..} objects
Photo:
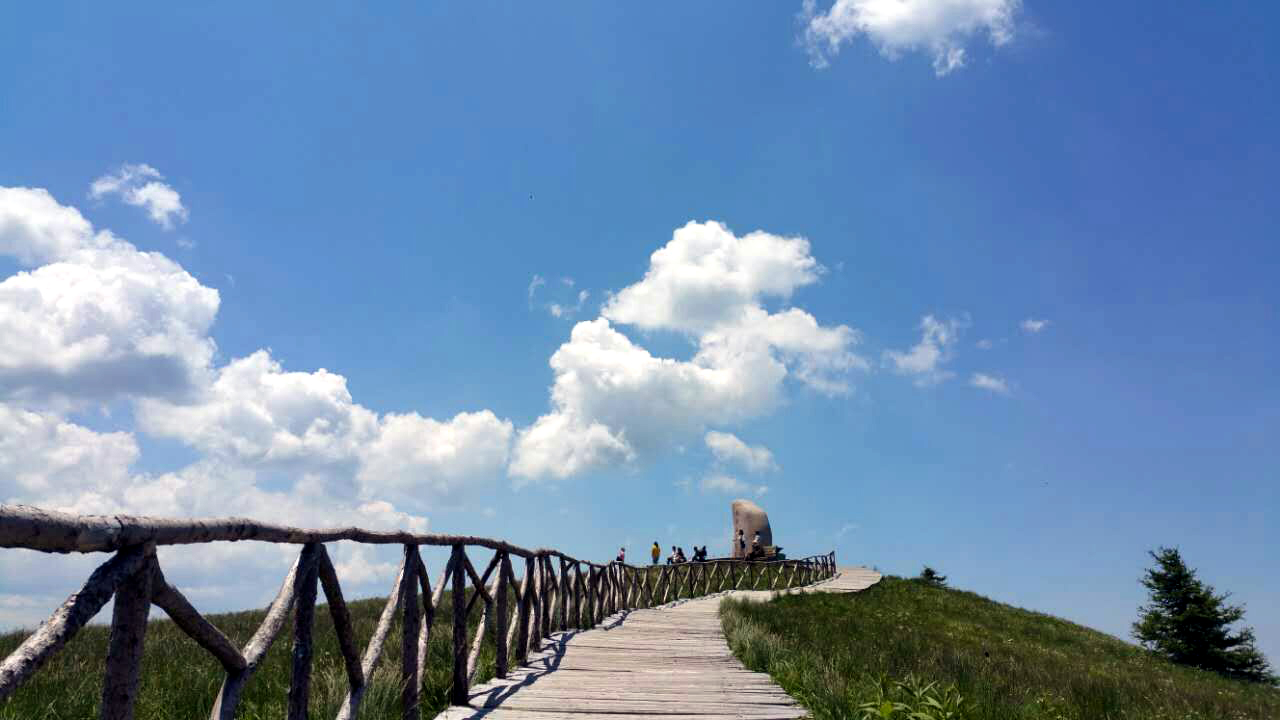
[{"x": 670, "y": 662}]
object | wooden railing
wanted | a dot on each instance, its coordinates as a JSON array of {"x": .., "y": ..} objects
[{"x": 556, "y": 592}]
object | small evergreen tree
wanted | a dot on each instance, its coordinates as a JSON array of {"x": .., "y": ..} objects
[
  {"x": 933, "y": 577},
  {"x": 1190, "y": 624}
]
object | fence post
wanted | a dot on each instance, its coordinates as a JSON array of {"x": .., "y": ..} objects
[
  {"x": 458, "y": 694},
  {"x": 410, "y": 680},
  {"x": 124, "y": 648},
  {"x": 303, "y": 621},
  {"x": 500, "y": 634},
  {"x": 546, "y": 588},
  {"x": 525, "y": 610}
]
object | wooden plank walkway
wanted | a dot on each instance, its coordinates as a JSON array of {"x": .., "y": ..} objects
[{"x": 670, "y": 662}]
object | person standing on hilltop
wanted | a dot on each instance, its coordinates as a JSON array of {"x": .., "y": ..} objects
[
  {"x": 655, "y": 552},
  {"x": 622, "y": 555}
]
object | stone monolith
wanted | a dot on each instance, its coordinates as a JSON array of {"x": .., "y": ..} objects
[{"x": 750, "y": 518}]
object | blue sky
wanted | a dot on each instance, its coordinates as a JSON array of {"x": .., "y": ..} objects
[{"x": 374, "y": 195}]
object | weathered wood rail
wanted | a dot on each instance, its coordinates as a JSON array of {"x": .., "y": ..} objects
[{"x": 555, "y": 592}]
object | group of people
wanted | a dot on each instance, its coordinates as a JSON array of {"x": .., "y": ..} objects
[{"x": 677, "y": 555}]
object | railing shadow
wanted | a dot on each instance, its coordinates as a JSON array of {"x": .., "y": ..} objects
[{"x": 533, "y": 670}]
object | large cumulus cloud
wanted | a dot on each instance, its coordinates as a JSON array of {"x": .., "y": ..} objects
[{"x": 612, "y": 399}]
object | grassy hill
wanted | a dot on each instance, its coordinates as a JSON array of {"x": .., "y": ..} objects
[{"x": 839, "y": 653}]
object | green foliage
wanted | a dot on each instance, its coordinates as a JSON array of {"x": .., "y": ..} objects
[
  {"x": 932, "y": 577},
  {"x": 840, "y": 654},
  {"x": 1190, "y": 624},
  {"x": 913, "y": 699}
]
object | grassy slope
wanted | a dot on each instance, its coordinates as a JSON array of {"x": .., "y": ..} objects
[{"x": 833, "y": 651}]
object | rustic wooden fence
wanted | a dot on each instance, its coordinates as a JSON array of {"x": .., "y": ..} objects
[{"x": 556, "y": 592}]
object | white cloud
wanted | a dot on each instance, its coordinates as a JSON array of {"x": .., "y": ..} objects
[
  {"x": 1031, "y": 326},
  {"x": 413, "y": 455},
  {"x": 140, "y": 185},
  {"x": 706, "y": 277},
  {"x": 940, "y": 28},
  {"x": 728, "y": 485},
  {"x": 845, "y": 529},
  {"x": 558, "y": 445},
  {"x": 43, "y": 456},
  {"x": 984, "y": 344},
  {"x": 612, "y": 399},
  {"x": 728, "y": 448},
  {"x": 994, "y": 383},
  {"x": 925, "y": 359},
  {"x": 257, "y": 414},
  {"x": 100, "y": 318}
]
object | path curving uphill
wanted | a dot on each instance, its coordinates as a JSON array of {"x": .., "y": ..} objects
[{"x": 670, "y": 662}]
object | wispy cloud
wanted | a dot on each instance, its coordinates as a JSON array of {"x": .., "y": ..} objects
[
  {"x": 537, "y": 282},
  {"x": 994, "y": 383},
  {"x": 1031, "y": 326},
  {"x": 560, "y": 310},
  {"x": 729, "y": 485},
  {"x": 925, "y": 360},
  {"x": 141, "y": 185}
]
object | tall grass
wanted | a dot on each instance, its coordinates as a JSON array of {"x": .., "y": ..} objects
[{"x": 841, "y": 654}]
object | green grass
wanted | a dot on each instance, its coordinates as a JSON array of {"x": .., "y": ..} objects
[{"x": 837, "y": 653}]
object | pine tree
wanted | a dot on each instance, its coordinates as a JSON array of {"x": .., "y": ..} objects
[
  {"x": 1190, "y": 624},
  {"x": 933, "y": 577}
]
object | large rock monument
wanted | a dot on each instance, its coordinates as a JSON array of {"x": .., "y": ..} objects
[{"x": 749, "y": 518}]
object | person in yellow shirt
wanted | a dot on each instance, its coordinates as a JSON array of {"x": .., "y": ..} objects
[{"x": 656, "y": 552}]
